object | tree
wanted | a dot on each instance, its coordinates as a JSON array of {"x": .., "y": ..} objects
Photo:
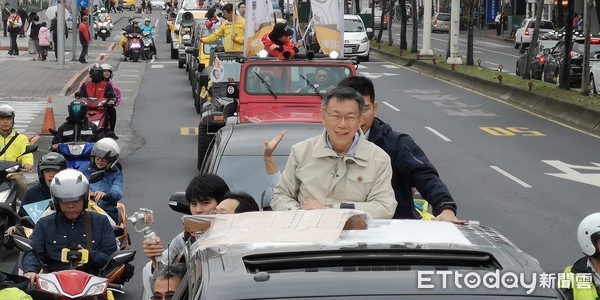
[
  {"x": 469, "y": 7},
  {"x": 564, "y": 77},
  {"x": 382, "y": 20},
  {"x": 403, "y": 43},
  {"x": 534, "y": 39},
  {"x": 415, "y": 28},
  {"x": 389, "y": 28}
]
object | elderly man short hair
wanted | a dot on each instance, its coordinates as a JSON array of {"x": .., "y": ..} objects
[{"x": 339, "y": 168}]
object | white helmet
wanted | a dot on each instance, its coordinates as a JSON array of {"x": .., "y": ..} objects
[
  {"x": 6, "y": 110},
  {"x": 107, "y": 67},
  {"x": 146, "y": 20},
  {"x": 102, "y": 9},
  {"x": 68, "y": 186},
  {"x": 106, "y": 148},
  {"x": 587, "y": 232}
]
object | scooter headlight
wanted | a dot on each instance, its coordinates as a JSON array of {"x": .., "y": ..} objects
[
  {"x": 48, "y": 286},
  {"x": 135, "y": 45},
  {"x": 76, "y": 149},
  {"x": 96, "y": 122},
  {"x": 97, "y": 289}
]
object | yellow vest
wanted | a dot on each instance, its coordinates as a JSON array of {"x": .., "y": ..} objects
[{"x": 583, "y": 293}]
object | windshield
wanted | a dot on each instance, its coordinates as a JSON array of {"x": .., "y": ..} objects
[
  {"x": 230, "y": 167},
  {"x": 353, "y": 25},
  {"x": 578, "y": 47},
  {"x": 287, "y": 79},
  {"x": 227, "y": 71},
  {"x": 544, "y": 25},
  {"x": 443, "y": 17}
]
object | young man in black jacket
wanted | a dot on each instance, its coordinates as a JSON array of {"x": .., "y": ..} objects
[{"x": 410, "y": 166}]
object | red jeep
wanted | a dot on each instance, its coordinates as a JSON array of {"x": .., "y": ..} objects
[{"x": 273, "y": 90}]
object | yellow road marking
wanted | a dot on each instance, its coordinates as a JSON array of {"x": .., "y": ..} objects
[
  {"x": 189, "y": 131},
  {"x": 511, "y": 131}
]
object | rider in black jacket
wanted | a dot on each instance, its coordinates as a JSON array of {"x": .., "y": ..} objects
[
  {"x": 48, "y": 166},
  {"x": 410, "y": 166},
  {"x": 77, "y": 128}
]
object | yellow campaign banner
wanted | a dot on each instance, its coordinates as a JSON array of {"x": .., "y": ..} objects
[
  {"x": 254, "y": 43},
  {"x": 259, "y": 21},
  {"x": 328, "y": 19}
]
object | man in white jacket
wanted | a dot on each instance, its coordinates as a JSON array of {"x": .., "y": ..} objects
[{"x": 339, "y": 168}]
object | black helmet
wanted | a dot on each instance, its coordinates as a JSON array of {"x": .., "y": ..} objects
[
  {"x": 6, "y": 110},
  {"x": 69, "y": 186},
  {"x": 96, "y": 73},
  {"x": 77, "y": 110},
  {"x": 51, "y": 160}
]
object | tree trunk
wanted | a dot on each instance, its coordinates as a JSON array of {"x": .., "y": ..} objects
[
  {"x": 415, "y": 28},
  {"x": 534, "y": 39},
  {"x": 381, "y": 20},
  {"x": 390, "y": 22},
  {"x": 403, "y": 43},
  {"x": 598, "y": 11},
  {"x": 470, "y": 8},
  {"x": 560, "y": 20},
  {"x": 565, "y": 69}
]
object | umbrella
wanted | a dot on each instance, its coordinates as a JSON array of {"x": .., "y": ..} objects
[{"x": 51, "y": 11}]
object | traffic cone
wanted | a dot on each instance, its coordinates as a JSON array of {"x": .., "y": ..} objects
[{"x": 48, "y": 118}]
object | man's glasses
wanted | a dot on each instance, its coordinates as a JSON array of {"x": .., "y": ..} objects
[
  {"x": 333, "y": 117},
  {"x": 167, "y": 296}
]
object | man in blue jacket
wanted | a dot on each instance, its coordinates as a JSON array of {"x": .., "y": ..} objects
[
  {"x": 70, "y": 227},
  {"x": 410, "y": 166}
]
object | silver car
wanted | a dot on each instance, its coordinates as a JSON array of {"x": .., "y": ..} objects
[{"x": 440, "y": 22}]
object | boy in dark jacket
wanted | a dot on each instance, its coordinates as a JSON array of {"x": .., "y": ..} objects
[{"x": 410, "y": 166}]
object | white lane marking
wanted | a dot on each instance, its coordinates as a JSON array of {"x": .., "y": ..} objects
[
  {"x": 511, "y": 177},
  {"x": 156, "y": 24},
  {"x": 157, "y": 66},
  {"x": 126, "y": 90},
  {"x": 390, "y": 106},
  {"x": 129, "y": 75},
  {"x": 167, "y": 62},
  {"x": 443, "y": 137},
  {"x": 130, "y": 70},
  {"x": 391, "y": 66},
  {"x": 152, "y": 60},
  {"x": 361, "y": 66},
  {"x": 439, "y": 50},
  {"x": 124, "y": 81}
]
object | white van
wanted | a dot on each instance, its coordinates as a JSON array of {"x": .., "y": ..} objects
[{"x": 356, "y": 41}]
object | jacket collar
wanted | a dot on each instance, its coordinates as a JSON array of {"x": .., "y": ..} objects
[
  {"x": 378, "y": 129},
  {"x": 361, "y": 149}
]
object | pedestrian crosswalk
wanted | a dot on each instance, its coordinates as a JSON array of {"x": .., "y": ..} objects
[{"x": 26, "y": 112}]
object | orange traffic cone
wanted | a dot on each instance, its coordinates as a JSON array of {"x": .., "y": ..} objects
[{"x": 48, "y": 118}]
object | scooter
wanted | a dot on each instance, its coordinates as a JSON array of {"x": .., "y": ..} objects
[
  {"x": 8, "y": 192},
  {"x": 134, "y": 47},
  {"x": 95, "y": 111},
  {"x": 102, "y": 28},
  {"x": 149, "y": 51},
  {"x": 75, "y": 284},
  {"x": 77, "y": 154}
]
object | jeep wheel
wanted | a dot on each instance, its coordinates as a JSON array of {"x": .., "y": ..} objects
[
  {"x": 204, "y": 140},
  {"x": 593, "y": 84},
  {"x": 517, "y": 70},
  {"x": 180, "y": 65},
  {"x": 168, "y": 35}
]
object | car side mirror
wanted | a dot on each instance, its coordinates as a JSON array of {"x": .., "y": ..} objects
[{"x": 179, "y": 203}]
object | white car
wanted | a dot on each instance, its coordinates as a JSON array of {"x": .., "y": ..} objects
[
  {"x": 356, "y": 40},
  {"x": 158, "y": 3},
  {"x": 525, "y": 31}
]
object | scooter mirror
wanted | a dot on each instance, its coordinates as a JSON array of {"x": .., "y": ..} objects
[
  {"x": 53, "y": 131},
  {"x": 27, "y": 221},
  {"x": 122, "y": 256},
  {"x": 97, "y": 176},
  {"x": 22, "y": 243},
  {"x": 179, "y": 203}
]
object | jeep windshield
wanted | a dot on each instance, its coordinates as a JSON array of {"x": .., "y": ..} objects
[{"x": 295, "y": 79}]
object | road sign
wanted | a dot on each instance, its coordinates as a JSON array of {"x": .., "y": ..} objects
[{"x": 83, "y": 3}]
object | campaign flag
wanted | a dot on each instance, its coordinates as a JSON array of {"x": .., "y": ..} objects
[
  {"x": 36, "y": 210},
  {"x": 328, "y": 21},
  {"x": 259, "y": 21},
  {"x": 297, "y": 32}
]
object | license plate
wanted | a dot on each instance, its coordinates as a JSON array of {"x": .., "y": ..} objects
[{"x": 347, "y": 50}]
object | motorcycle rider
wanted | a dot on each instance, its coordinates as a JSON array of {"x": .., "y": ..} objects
[
  {"x": 13, "y": 145},
  {"x": 108, "y": 191},
  {"x": 77, "y": 127},
  {"x": 103, "y": 16},
  {"x": 48, "y": 166},
  {"x": 111, "y": 108},
  {"x": 70, "y": 227},
  {"x": 150, "y": 28},
  {"x": 97, "y": 87},
  {"x": 588, "y": 235},
  {"x": 133, "y": 27}
]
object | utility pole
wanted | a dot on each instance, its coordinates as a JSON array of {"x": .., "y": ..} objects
[
  {"x": 454, "y": 30},
  {"x": 74, "y": 31},
  {"x": 60, "y": 33},
  {"x": 426, "y": 50}
]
